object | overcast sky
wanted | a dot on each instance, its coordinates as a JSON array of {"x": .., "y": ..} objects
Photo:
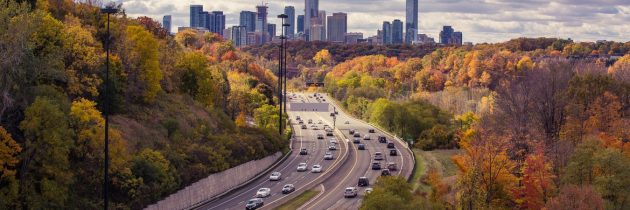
[{"x": 479, "y": 20}]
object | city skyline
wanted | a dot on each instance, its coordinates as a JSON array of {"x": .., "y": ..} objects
[{"x": 490, "y": 21}]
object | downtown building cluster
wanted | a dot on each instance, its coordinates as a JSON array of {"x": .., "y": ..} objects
[{"x": 313, "y": 25}]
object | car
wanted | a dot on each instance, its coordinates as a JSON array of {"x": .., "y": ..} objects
[
  {"x": 303, "y": 127},
  {"x": 254, "y": 203},
  {"x": 356, "y": 141},
  {"x": 361, "y": 147},
  {"x": 302, "y": 167},
  {"x": 393, "y": 152},
  {"x": 323, "y": 99},
  {"x": 351, "y": 131},
  {"x": 350, "y": 192},
  {"x": 310, "y": 121},
  {"x": 378, "y": 156},
  {"x": 320, "y": 136},
  {"x": 320, "y": 122},
  {"x": 357, "y": 134},
  {"x": 263, "y": 192},
  {"x": 315, "y": 128},
  {"x": 382, "y": 139},
  {"x": 366, "y": 137},
  {"x": 332, "y": 114},
  {"x": 332, "y": 147},
  {"x": 303, "y": 151},
  {"x": 376, "y": 166},
  {"x": 328, "y": 156},
  {"x": 329, "y": 133},
  {"x": 288, "y": 188},
  {"x": 368, "y": 190},
  {"x": 316, "y": 169},
  {"x": 275, "y": 176},
  {"x": 298, "y": 118},
  {"x": 363, "y": 182},
  {"x": 392, "y": 166},
  {"x": 385, "y": 172},
  {"x": 347, "y": 122},
  {"x": 333, "y": 141},
  {"x": 371, "y": 130},
  {"x": 391, "y": 145}
]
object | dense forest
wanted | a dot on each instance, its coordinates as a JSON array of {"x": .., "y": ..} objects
[
  {"x": 539, "y": 122},
  {"x": 182, "y": 107}
]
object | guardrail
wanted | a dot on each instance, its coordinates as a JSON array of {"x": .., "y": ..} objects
[{"x": 404, "y": 143}]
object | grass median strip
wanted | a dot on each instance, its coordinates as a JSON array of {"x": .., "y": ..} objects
[
  {"x": 419, "y": 172},
  {"x": 298, "y": 201}
]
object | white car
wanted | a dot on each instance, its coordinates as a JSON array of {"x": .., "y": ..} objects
[
  {"x": 263, "y": 192},
  {"x": 350, "y": 192},
  {"x": 328, "y": 156},
  {"x": 332, "y": 147},
  {"x": 378, "y": 156},
  {"x": 316, "y": 169},
  {"x": 302, "y": 167},
  {"x": 275, "y": 176},
  {"x": 366, "y": 137},
  {"x": 368, "y": 190}
]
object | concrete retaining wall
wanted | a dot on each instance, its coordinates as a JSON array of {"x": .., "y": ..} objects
[
  {"x": 215, "y": 184},
  {"x": 309, "y": 107}
]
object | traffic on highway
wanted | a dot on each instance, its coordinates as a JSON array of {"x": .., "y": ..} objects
[{"x": 334, "y": 153}]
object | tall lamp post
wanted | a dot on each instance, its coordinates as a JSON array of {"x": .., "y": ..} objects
[
  {"x": 110, "y": 9},
  {"x": 280, "y": 74},
  {"x": 285, "y": 27}
]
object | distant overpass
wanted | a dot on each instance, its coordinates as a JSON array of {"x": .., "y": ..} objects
[{"x": 314, "y": 83}]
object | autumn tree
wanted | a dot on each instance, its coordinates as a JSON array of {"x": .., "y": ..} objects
[
  {"x": 574, "y": 197},
  {"x": 9, "y": 151},
  {"x": 82, "y": 58},
  {"x": 156, "y": 173},
  {"x": 537, "y": 181},
  {"x": 323, "y": 57},
  {"x": 266, "y": 117},
  {"x": 144, "y": 73},
  {"x": 46, "y": 176}
]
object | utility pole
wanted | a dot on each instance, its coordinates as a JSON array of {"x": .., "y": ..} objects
[
  {"x": 281, "y": 90},
  {"x": 109, "y": 9},
  {"x": 285, "y": 26}
]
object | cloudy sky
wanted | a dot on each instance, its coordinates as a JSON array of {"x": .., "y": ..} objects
[{"x": 479, "y": 20}]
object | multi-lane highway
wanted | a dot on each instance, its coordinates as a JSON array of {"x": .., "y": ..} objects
[{"x": 343, "y": 171}]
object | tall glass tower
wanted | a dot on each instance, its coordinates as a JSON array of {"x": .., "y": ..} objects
[{"x": 411, "y": 26}]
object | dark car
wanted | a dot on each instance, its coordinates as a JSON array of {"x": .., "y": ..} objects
[
  {"x": 376, "y": 166},
  {"x": 363, "y": 182},
  {"x": 385, "y": 172},
  {"x": 391, "y": 145},
  {"x": 303, "y": 127},
  {"x": 351, "y": 131},
  {"x": 361, "y": 147},
  {"x": 356, "y": 141},
  {"x": 332, "y": 114},
  {"x": 371, "y": 130},
  {"x": 288, "y": 188},
  {"x": 357, "y": 134},
  {"x": 320, "y": 136},
  {"x": 382, "y": 139},
  {"x": 303, "y": 151},
  {"x": 393, "y": 152},
  {"x": 254, "y": 203}
]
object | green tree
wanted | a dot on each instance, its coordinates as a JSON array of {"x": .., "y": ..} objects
[
  {"x": 157, "y": 175},
  {"x": 45, "y": 182},
  {"x": 267, "y": 116}
]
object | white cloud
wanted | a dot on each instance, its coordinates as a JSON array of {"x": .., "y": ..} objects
[{"x": 479, "y": 20}]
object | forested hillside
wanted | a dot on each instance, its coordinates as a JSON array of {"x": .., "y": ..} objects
[
  {"x": 538, "y": 121},
  {"x": 183, "y": 107}
]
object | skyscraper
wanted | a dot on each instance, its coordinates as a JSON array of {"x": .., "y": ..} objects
[
  {"x": 216, "y": 22},
  {"x": 397, "y": 32},
  {"x": 411, "y": 26},
  {"x": 300, "y": 23},
  {"x": 195, "y": 15},
  {"x": 248, "y": 19},
  {"x": 290, "y": 12},
  {"x": 446, "y": 34},
  {"x": 166, "y": 23},
  {"x": 261, "y": 23},
  {"x": 337, "y": 27},
  {"x": 457, "y": 38},
  {"x": 311, "y": 10},
  {"x": 271, "y": 29},
  {"x": 238, "y": 35},
  {"x": 387, "y": 33}
]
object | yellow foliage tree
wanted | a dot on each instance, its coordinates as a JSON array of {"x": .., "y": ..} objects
[
  {"x": 145, "y": 49},
  {"x": 322, "y": 57}
]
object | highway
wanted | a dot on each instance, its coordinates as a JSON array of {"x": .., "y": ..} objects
[
  {"x": 343, "y": 171},
  {"x": 358, "y": 164},
  {"x": 303, "y": 138}
]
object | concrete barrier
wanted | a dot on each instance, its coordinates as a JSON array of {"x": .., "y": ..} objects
[{"x": 215, "y": 184}]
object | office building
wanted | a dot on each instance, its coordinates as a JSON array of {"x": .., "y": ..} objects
[
  {"x": 311, "y": 11},
  {"x": 261, "y": 24},
  {"x": 337, "y": 27},
  {"x": 237, "y": 34},
  {"x": 195, "y": 16},
  {"x": 397, "y": 32},
  {"x": 216, "y": 22},
  {"x": 300, "y": 23},
  {"x": 353, "y": 38},
  {"x": 317, "y": 32},
  {"x": 411, "y": 24},
  {"x": 290, "y": 12},
  {"x": 166, "y": 23},
  {"x": 248, "y": 19},
  {"x": 387, "y": 33},
  {"x": 425, "y": 39},
  {"x": 271, "y": 30},
  {"x": 449, "y": 36}
]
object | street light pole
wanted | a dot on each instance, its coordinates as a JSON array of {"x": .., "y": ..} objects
[
  {"x": 280, "y": 75},
  {"x": 110, "y": 9}
]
